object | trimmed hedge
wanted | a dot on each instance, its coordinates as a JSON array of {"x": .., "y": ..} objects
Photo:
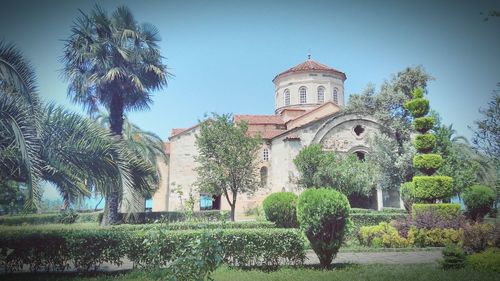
[
  {"x": 281, "y": 208},
  {"x": 427, "y": 163},
  {"x": 425, "y": 143},
  {"x": 88, "y": 249},
  {"x": 430, "y": 188},
  {"x": 444, "y": 211},
  {"x": 423, "y": 124},
  {"x": 152, "y": 217},
  {"x": 418, "y": 107},
  {"x": 46, "y": 218},
  {"x": 479, "y": 201},
  {"x": 367, "y": 219}
]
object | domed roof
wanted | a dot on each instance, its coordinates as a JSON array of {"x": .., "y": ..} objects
[{"x": 308, "y": 66}]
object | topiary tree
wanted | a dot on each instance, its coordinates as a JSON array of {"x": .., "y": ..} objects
[
  {"x": 427, "y": 188},
  {"x": 323, "y": 214},
  {"x": 281, "y": 208},
  {"x": 478, "y": 199}
]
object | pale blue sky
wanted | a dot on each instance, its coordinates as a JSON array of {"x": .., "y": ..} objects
[{"x": 224, "y": 54}]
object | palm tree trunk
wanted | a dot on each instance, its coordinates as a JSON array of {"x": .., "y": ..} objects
[{"x": 116, "y": 116}]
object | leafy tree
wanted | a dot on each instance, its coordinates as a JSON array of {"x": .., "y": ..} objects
[
  {"x": 345, "y": 174},
  {"x": 12, "y": 197},
  {"x": 227, "y": 158},
  {"x": 113, "y": 62},
  {"x": 392, "y": 148},
  {"x": 487, "y": 134}
]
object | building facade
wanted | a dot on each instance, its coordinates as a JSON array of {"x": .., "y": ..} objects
[{"x": 308, "y": 109}]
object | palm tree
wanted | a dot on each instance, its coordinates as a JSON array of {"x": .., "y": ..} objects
[{"x": 113, "y": 62}]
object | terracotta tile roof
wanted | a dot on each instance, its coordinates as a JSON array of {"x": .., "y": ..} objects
[
  {"x": 266, "y": 134},
  {"x": 259, "y": 119},
  {"x": 310, "y": 65},
  {"x": 177, "y": 131}
]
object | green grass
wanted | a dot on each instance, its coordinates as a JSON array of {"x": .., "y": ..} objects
[{"x": 345, "y": 272}]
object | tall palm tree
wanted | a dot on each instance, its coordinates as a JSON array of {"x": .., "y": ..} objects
[{"x": 113, "y": 62}]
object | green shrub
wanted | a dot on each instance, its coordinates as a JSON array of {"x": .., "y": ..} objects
[
  {"x": 479, "y": 200},
  {"x": 417, "y": 93},
  {"x": 418, "y": 107},
  {"x": 427, "y": 163},
  {"x": 323, "y": 214},
  {"x": 67, "y": 216},
  {"x": 443, "y": 211},
  {"x": 406, "y": 190},
  {"x": 87, "y": 249},
  {"x": 425, "y": 143},
  {"x": 488, "y": 260},
  {"x": 430, "y": 188},
  {"x": 367, "y": 219},
  {"x": 381, "y": 235},
  {"x": 46, "y": 218},
  {"x": 478, "y": 236},
  {"x": 423, "y": 124},
  {"x": 281, "y": 208},
  {"x": 453, "y": 257},
  {"x": 152, "y": 217},
  {"x": 435, "y": 237}
]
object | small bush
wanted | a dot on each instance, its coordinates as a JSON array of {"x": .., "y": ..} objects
[
  {"x": 67, "y": 217},
  {"x": 488, "y": 260},
  {"x": 478, "y": 236},
  {"x": 437, "y": 216},
  {"x": 323, "y": 214},
  {"x": 425, "y": 143},
  {"x": 453, "y": 257},
  {"x": 427, "y": 163},
  {"x": 418, "y": 107},
  {"x": 430, "y": 188},
  {"x": 435, "y": 237},
  {"x": 281, "y": 208},
  {"x": 423, "y": 124},
  {"x": 406, "y": 191},
  {"x": 479, "y": 200},
  {"x": 382, "y": 235}
]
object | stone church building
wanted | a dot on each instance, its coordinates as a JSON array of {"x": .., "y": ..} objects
[{"x": 309, "y": 99}]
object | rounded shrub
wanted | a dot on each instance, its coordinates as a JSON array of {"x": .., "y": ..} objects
[
  {"x": 479, "y": 200},
  {"x": 430, "y": 188},
  {"x": 423, "y": 124},
  {"x": 281, "y": 208},
  {"x": 323, "y": 214},
  {"x": 418, "y": 107},
  {"x": 427, "y": 163},
  {"x": 425, "y": 143}
]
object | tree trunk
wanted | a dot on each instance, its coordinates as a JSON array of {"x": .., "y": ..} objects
[
  {"x": 116, "y": 127},
  {"x": 233, "y": 207}
]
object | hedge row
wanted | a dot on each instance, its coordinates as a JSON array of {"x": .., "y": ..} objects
[
  {"x": 45, "y": 218},
  {"x": 86, "y": 250},
  {"x": 367, "y": 219},
  {"x": 136, "y": 218}
]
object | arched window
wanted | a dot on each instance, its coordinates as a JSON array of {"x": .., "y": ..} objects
[
  {"x": 302, "y": 95},
  {"x": 265, "y": 154},
  {"x": 263, "y": 176},
  {"x": 335, "y": 96},
  {"x": 287, "y": 97},
  {"x": 321, "y": 94}
]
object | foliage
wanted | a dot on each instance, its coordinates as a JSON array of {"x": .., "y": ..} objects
[
  {"x": 418, "y": 107},
  {"x": 381, "y": 235},
  {"x": 113, "y": 62},
  {"x": 430, "y": 188},
  {"x": 373, "y": 218},
  {"x": 423, "y": 124},
  {"x": 281, "y": 208},
  {"x": 87, "y": 249},
  {"x": 488, "y": 260},
  {"x": 345, "y": 174},
  {"x": 425, "y": 143},
  {"x": 453, "y": 257},
  {"x": 67, "y": 216},
  {"x": 427, "y": 163},
  {"x": 323, "y": 214},
  {"x": 479, "y": 200},
  {"x": 12, "y": 197},
  {"x": 486, "y": 135},
  {"x": 406, "y": 191},
  {"x": 34, "y": 219},
  {"x": 227, "y": 158},
  {"x": 435, "y": 237},
  {"x": 478, "y": 236},
  {"x": 437, "y": 216},
  {"x": 198, "y": 260}
]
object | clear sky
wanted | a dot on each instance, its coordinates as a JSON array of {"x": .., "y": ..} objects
[{"x": 224, "y": 54}]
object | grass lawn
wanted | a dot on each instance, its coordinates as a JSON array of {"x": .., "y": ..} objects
[{"x": 346, "y": 272}]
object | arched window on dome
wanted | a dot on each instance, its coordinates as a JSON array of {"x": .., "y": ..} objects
[
  {"x": 335, "y": 96},
  {"x": 287, "y": 97},
  {"x": 321, "y": 94},
  {"x": 302, "y": 94}
]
